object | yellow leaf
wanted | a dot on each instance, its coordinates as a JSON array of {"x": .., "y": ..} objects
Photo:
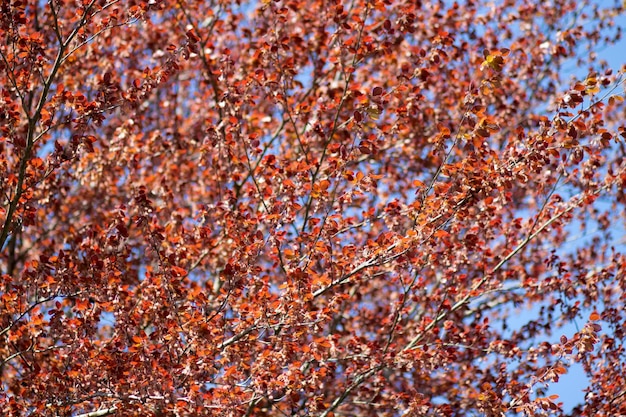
[
  {"x": 373, "y": 112},
  {"x": 495, "y": 62}
]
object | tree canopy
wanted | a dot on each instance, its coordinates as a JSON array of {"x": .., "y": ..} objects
[{"x": 310, "y": 207}]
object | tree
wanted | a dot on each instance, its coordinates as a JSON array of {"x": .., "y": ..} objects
[{"x": 310, "y": 208}]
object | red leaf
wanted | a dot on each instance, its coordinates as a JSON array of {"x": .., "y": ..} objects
[{"x": 178, "y": 272}]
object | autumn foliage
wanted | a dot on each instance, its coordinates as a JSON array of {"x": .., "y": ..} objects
[{"x": 310, "y": 207}]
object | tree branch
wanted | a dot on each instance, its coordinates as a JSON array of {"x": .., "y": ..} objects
[{"x": 99, "y": 413}]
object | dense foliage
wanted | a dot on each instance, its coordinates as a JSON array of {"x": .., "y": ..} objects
[{"x": 310, "y": 207}]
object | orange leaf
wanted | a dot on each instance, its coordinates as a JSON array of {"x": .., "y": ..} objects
[
  {"x": 81, "y": 304},
  {"x": 178, "y": 271}
]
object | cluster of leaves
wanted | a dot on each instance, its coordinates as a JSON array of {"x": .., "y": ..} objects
[{"x": 304, "y": 207}]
